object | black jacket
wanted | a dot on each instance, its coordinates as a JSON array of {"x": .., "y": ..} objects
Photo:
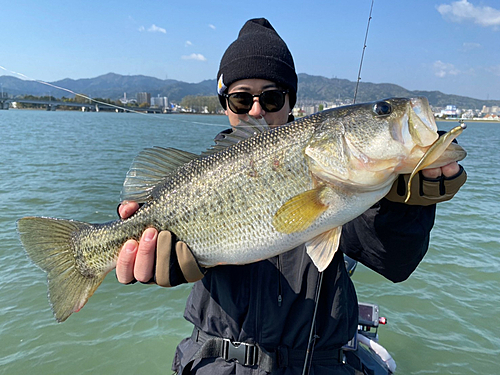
[{"x": 271, "y": 302}]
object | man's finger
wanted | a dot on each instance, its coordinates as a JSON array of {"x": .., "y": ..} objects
[
  {"x": 126, "y": 261},
  {"x": 146, "y": 254},
  {"x": 432, "y": 172},
  {"x": 127, "y": 209},
  {"x": 450, "y": 170}
]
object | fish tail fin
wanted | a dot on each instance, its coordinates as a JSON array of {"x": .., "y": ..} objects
[{"x": 48, "y": 243}]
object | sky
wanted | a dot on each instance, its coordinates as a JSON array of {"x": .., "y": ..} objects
[{"x": 444, "y": 45}]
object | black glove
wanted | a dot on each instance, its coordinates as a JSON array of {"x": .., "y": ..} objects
[
  {"x": 426, "y": 191},
  {"x": 175, "y": 263}
]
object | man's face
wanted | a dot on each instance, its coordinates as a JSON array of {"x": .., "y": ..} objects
[{"x": 256, "y": 86}]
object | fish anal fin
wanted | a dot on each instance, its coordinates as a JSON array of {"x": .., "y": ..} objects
[
  {"x": 300, "y": 211},
  {"x": 322, "y": 248}
]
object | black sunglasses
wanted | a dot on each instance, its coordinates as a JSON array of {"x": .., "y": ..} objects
[{"x": 270, "y": 101}]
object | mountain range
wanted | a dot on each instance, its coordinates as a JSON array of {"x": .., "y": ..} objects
[{"x": 311, "y": 88}]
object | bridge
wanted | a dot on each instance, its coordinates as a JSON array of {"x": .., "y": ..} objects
[
  {"x": 51, "y": 105},
  {"x": 3, "y": 100}
]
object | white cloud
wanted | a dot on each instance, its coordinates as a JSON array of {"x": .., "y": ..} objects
[
  {"x": 442, "y": 69},
  {"x": 495, "y": 69},
  {"x": 211, "y": 26},
  {"x": 466, "y": 46},
  {"x": 156, "y": 29},
  {"x": 141, "y": 29},
  {"x": 459, "y": 11},
  {"x": 195, "y": 56},
  {"x": 188, "y": 43}
]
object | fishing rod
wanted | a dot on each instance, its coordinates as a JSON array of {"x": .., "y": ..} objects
[
  {"x": 312, "y": 336},
  {"x": 71, "y": 91},
  {"x": 363, "y": 53}
]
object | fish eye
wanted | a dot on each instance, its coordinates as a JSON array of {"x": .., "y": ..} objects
[{"x": 382, "y": 108}]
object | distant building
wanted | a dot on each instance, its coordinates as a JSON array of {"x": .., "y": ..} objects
[
  {"x": 491, "y": 117},
  {"x": 468, "y": 114},
  {"x": 451, "y": 111},
  {"x": 310, "y": 109},
  {"x": 124, "y": 100},
  {"x": 491, "y": 110},
  {"x": 159, "y": 102},
  {"x": 143, "y": 97}
]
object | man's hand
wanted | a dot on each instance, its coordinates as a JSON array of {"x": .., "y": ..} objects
[
  {"x": 430, "y": 186},
  {"x": 136, "y": 260},
  {"x": 158, "y": 257}
]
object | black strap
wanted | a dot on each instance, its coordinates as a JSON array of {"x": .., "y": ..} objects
[{"x": 250, "y": 354}]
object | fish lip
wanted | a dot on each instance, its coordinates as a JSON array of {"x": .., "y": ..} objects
[
  {"x": 421, "y": 108},
  {"x": 421, "y": 124}
]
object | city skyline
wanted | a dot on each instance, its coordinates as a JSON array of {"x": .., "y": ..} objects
[{"x": 448, "y": 46}]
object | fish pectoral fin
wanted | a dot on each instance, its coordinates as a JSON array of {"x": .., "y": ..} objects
[
  {"x": 434, "y": 152},
  {"x": 322, "y": 248},
  {"x": 300, "y": 211}
]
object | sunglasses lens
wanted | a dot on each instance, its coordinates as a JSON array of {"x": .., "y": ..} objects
[
  {"x": 272, "y": 100},
  {"x": 240, "y": 102}
]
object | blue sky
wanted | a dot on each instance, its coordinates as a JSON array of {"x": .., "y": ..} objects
[{"x": 445, "y": 45}]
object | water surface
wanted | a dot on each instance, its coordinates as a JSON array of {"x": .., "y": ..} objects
[{"x": 443, "y": 320}]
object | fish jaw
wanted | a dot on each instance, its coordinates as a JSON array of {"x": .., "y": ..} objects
[
  {"x": 454, "y": 152},
  {"x": 434, "y": 157},
  {"x": 420, "y": 137}
]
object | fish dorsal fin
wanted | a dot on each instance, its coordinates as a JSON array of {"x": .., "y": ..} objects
[
  {"x": 151, "y": 167},
  {"x": 322, "y": 248},
  {"x": 300, "y": 211},
  {"x": 244, "y": 130}
]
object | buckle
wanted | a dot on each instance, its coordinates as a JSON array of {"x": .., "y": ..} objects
[{"x": 241, "y": 352}]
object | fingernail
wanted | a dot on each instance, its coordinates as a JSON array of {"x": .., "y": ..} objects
[
  {"x": 149, "y": 234},
  {"x": 130, "y": 246}
]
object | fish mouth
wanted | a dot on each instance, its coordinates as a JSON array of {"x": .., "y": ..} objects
[{"x": 443, "y": 152}]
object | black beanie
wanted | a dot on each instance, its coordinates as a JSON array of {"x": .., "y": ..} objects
[{"x": 259, "y": 52}]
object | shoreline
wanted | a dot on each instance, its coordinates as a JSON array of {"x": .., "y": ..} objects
[
  {"x": 467, "y": 120},
  {"x": 219, "y": 114}
]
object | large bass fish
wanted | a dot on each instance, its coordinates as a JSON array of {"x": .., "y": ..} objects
[{"x": 254, "y": 195}]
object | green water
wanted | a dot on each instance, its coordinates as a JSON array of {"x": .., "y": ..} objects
[{"x": 443, "y": 320}]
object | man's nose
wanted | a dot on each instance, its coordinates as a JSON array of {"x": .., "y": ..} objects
[{"x": 256, "y": 110}]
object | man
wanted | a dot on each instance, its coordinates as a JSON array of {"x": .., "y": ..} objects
[{"x": 268, "y": 306}]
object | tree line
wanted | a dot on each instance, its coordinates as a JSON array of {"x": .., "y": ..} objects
[
  {"x": 201, "y": 104},
  {"x": 49, "y": 98}
]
